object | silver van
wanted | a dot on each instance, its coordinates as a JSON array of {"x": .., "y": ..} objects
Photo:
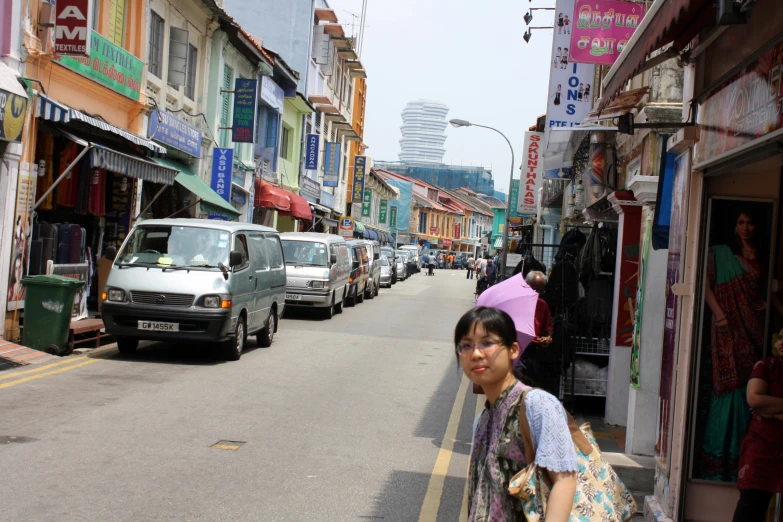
[
  {"x": 317, "y": 270},
  {"x": 196, "y": 280},
  {"x": 374, "y": 254}
]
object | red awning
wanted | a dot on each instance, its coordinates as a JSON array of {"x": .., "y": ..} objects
[
  {"x": 300, "y": 208},
  {"x": 667, "y": 21},
  {"x": 270, "y": 196},
  {"x": 624, "y": 103}
]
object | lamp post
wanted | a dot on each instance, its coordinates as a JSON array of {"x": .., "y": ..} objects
[{"x": 504, "y": 258}]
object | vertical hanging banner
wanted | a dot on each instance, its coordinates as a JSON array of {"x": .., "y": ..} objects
[
  {"x": 311, "y": 151},
  {"x": 332, "y": 165},
  {"x": 570, "y": 84},
  {"x": 532, "y": 173},
  {"x": 222, "y": 165},
  {"x": 245, "y": 99},
  {"x": 359, "y": 162},
  {"x": 367, "y": 203},
  {"x": 73, "y": 24},
  {"x": 602, "y": 29},
  {"x": 384, "y": 210},
  {"x": 393, "y": 217}
]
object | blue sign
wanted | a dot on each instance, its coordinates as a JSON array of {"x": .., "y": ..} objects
[
  {"x": 332, "y": 164},
  {"x": 244, "y": 123},
  {"x": 359, "y": 163},
  {"x": 327, "y": 199},
  {"x": 311, "y": 152},
  {"x": 168, "y": 130},
  {"x": 559, "y": 173},
  {"x": 222, "y": 166}
]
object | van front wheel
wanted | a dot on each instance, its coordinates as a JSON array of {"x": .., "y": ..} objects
[
  {"x": 127, "y": 345},
  {"x": 233, "y": 348},
  {"x": 267, "y": 335}
]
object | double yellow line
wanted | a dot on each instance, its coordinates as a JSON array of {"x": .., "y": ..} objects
[{"x": 67, "y": 364}]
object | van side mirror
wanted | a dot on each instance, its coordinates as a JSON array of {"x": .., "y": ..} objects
[
  {"x": 333, "y": 259},
  {"x": 356, "y": 263},
  {"x": 376, "y": 256},
  {"x": 235, "y": 258}
]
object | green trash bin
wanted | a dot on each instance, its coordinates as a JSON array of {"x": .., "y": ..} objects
[{"x": 48, "y": 306}]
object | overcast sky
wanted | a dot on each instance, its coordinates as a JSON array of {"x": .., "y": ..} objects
[{"x": 467, "y": 54}]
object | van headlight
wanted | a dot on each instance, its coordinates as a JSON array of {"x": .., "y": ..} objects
[
  {"x": 212, "y": 301},
  {"x": 319, "y": 284},
  {"x": 116, "y": 295}
]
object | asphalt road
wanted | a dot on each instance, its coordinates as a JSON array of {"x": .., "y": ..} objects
[{"x": 363, "y": 417}]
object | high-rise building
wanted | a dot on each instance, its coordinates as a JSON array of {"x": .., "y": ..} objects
[{"x": 423, "y": 137}]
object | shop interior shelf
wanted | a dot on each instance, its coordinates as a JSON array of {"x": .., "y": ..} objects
[
  {"x": 591, "y": 346},
  {"x": 584, "y": 387}
]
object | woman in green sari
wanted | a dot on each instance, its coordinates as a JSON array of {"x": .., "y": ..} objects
[{"x": 736, "y": 281}]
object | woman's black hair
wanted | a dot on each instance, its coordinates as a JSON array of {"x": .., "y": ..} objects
[
  {"x": 757, "y": 217},
  {"x": 495, "y": 322}
]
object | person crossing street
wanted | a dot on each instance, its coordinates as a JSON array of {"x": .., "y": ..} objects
[{"x": 471, "y": 267}]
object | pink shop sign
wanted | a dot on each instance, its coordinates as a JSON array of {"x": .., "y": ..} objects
[{"x": 602, "y": 29}]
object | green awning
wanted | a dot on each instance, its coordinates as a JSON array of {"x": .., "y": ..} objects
[
  {"x": 498, "y": 243},
  {"x": 359, "y": 227},
  {"x": 211, "y": 201}
]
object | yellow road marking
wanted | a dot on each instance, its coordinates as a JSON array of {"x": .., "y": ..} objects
[
  {"x": 225, "y": 447},
  {"x": 34, "y": 370},
  {"x": 45, "y": 374},
  {"x": 463, "y": 513},
  {"x": 429, "y": 508}
]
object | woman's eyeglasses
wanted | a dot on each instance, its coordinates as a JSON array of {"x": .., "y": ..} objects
[{"x": 465, "y": 349}]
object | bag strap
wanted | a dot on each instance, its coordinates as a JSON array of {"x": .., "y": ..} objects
[{"x": 577, "y": 436}]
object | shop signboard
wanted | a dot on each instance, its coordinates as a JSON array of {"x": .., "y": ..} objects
[
  {"x": 327, "y": 199},
  {"x": 570, "y": 83},
  {"x": 393, "y": 216},
  {"x": 272, "y": 94},
  {"x": 458, "y": 231},
  {"x": 171, "y": 131},
  {"x": 310, "y": 188},
  {"x": 532, "y": 174},
  {"x": 12, "y": 113},
  {"x": 629, "y": 253},
  {"x": 222, "y": 165},
  {"x": 244, "y": 122},
  {"x": 367, "y": 203},
  {"x": 311, "y": 151},
  {"x": 73, "y": 21},
  {"x": 447, "y": 243},
  {"x": 558, "y": 173},
  {"x": 109, "y": 65},
  {"x": 602, "y": 29},
  {"x": 359, "y": 163},
  {"x": 743, "y": 109},
  {"x": 332, "y": 165},
  {"x": 346, "y": 226},
  {"x": 514, "y": 198},
  {"x": 21, "y": 233},
  {"x": 383, "y": 211},
  {"x": 434, "y": 231}
]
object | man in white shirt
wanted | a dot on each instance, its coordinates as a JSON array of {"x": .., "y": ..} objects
[{"x": 471, "y": 267}]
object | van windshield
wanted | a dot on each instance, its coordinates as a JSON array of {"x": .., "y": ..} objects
[
  {"x": 175, "y": 246},
  {"x": 305, "y": 253}
]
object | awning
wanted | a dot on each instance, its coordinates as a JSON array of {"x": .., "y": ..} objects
[
  {"x": 498, "y": 243},
  {"x": 270, "y": 196},
  {"x": 667, "y": 21},
  {"x": 329, "y": 222},
  {"x": 624, "y": 103},
  {"x": 300, "y": 207},
  {"x": 564, "y": 142},
  {"x": 372, "y": 234},
  {"x": 210, "y": 200},
  {"x": 359, "y": 227},
  {"x": 321, "y": 208},
  {"x": 50, "y": 110}
]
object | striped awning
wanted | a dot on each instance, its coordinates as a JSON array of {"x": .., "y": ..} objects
[
  {"x": 131, "y": 166},
  {"x": 498, "y": 243},
  {"x": 50, "y": 110}
]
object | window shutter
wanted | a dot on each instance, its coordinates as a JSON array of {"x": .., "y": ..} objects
[{"x": 178, "y": 56}]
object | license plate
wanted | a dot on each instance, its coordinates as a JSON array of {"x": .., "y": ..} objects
[
  {"x": 293, "y": 297},
  {"x": 158, "y": 327}
]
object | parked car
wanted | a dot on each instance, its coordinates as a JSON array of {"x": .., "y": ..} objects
[
  {"x": 414, "y": 261},
  {"x": 317, "y": 271},
  {"x": 360, "y": 273},
  {"x": 196, "y": 280},
  {"x": 386, "y": 272},
  {"x": 402, "y": 264},
  {"x": 374, "y": 257},
  {"x": 461, "y": 260},
  {"x": 392, "y": 256}
]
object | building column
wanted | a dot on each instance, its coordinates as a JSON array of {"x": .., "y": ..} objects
[
  {"x": 643, "y": 401},
  {"x": 624, "y": 296}
]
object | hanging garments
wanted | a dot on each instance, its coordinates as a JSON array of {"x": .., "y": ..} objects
[
  {"x": 68, "y": 189},
  {"x": 97, "y": 206},
  {"x": 46, "y": 178}
]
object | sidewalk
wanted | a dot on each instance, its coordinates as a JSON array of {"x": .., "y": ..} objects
[{"x": 13, "y": 356}]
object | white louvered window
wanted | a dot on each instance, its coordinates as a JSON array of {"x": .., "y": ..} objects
[{"x": 225, "y": 105}]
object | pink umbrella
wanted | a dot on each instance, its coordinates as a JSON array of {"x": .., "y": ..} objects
[{"x": 518, "y": 300}]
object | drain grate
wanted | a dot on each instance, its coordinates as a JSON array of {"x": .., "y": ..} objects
[{"x": 231, "y": 445}]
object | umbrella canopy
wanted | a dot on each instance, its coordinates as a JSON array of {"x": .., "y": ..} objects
[{"x": 518, "y": 300}]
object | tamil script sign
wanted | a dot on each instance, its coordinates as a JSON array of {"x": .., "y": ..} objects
[
  {"x": 602, "y": 29},
  {"x": 311, "y": 152},
  {"x": 359, "y": 162},
  {"x": 72, "y": 27},
  {"x": 532, "y": 173},
  {"x": 244, "y": 123},
  {"x": 109, "y": 65},
  {"x": 168, "y": 130},
  {"x": 332, "y": 165},
  {"x": 383, "y": 211},
  {"x": 222, "y": 165}
]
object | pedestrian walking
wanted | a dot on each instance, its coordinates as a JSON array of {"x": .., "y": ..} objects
[
  {"x": 761, "y": 454},
  {"x": 538, "y": 363},
  {"x": 431, "y": 263},
  {"x": 471, "y": 267},
  {"x": 491, "y": 272},
  {"x": 486, "y": 346}
]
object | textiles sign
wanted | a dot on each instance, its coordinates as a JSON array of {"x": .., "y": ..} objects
[
  {"x": 602, "y": 29},
  {"x": 108, "y": 65},
  {"x": 72, "y": 27},
  {"x": 222, "y": 165},
  {"x": 168, "y": 130},
  {"x": 532, "y": 173},
  {"x": 745, "y": 108},
  {"x": 244, "y": 123}
]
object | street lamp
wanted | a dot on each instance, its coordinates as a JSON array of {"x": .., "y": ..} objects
[
  {"x": 529, "y": 15},
  {"x": 464, "y": 123},
  {"x": 528, "y": 33}
]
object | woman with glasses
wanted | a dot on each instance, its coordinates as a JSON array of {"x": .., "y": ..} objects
[{"x": 486, "y": 347}]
